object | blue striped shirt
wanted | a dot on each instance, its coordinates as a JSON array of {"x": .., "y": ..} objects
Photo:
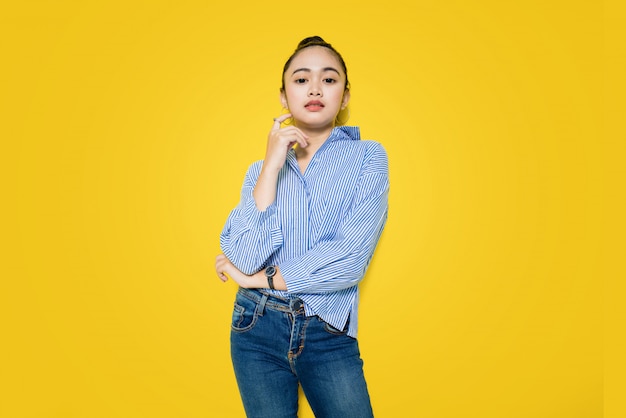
[{"x": 322, "y": 228}]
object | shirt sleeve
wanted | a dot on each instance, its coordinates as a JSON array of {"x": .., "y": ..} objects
[
  {"x": 341, "y": 262},
  {"x": 251, "y": 236}
]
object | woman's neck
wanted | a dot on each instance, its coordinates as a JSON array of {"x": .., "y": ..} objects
[{"x": 316, "y": 138}]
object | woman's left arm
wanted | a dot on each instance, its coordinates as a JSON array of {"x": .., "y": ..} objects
[
  {"x": 341, "y": 262},
  {"x": 331, "y": 265}
]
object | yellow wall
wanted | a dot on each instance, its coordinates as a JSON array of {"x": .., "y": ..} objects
[{"x": 127, "y": 127}]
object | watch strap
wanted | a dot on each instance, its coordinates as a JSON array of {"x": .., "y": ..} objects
[{"x": 269, "y": 273}]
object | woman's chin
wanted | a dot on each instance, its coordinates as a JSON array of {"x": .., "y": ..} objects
[{"x": 314, "y": 123}]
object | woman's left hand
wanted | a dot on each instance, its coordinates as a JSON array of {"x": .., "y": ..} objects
[{"x": 225, "y": 269}]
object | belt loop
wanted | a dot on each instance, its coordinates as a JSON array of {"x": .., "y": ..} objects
[{"x": 261, "y": 308}]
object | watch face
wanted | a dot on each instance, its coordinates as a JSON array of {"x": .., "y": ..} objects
[{"x": 270, "y": 271}]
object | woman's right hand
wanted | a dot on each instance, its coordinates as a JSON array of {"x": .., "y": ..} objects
[{"x": 280, "y": 141}]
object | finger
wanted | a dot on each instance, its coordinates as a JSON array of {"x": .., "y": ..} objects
[
  {"x": 302, "y": 140},
  {"x": 222, "y": 277},
  {"x": 280, "y": 119},
  {"x": 219, "y": 267},
  {"x": 294, "y": 135},
  {"x": 300, "y": 137}
]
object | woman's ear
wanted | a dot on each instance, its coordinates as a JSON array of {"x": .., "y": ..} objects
[
  {"x": 345, "y": 99},
  {"x": 283, "y": 99}
]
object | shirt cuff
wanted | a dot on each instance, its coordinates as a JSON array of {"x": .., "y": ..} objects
[{"x": 295, "y": 275}]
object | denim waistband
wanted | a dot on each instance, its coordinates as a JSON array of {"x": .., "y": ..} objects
[{"x": 272, "y": 301}]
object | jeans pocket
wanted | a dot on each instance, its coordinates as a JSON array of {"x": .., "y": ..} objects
[
  {"x": 332, "y": 330},
  {"x": 244, "y": 315}
]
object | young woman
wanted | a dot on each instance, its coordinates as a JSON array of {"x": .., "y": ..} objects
[{"x": 299, "y": 243}]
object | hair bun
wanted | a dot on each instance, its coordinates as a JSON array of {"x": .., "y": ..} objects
[{"x": 312, "y": 40}]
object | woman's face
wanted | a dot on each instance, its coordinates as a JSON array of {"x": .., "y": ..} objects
[{"x": 315, "y": 88}]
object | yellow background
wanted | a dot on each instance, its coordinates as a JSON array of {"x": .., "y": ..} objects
[{"x": 126, "y": 130}]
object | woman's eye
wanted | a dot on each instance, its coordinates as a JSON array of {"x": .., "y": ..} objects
[
  {"x": 329, "y": 80},
  {"x": 300, "y": 80}
]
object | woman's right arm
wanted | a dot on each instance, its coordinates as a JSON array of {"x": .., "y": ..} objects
[
  {"x": 253, "y": 232},
  {"x": 279, "y": 142}
]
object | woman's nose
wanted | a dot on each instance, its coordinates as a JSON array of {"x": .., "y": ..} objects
[{"x": 315, "y": 91}]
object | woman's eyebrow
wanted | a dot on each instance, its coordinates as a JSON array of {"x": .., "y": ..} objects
[{"x": 308, "y": 70}]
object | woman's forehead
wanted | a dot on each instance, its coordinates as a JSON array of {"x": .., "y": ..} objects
[{"x": 315, "y": 58}]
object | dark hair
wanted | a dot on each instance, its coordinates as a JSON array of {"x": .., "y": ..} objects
[{"x": 314, "y": 41}]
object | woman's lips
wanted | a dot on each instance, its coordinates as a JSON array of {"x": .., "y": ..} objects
[{"x": 314, "y": 106}]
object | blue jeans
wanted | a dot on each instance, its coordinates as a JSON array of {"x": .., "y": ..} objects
[{"x": 275, "y": 347}]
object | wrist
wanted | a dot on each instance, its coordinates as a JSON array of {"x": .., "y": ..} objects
[
  {"x": 270, "y": 272},
  {"x": 270, "y": 168},
  {"x": 257, "y": 280}
]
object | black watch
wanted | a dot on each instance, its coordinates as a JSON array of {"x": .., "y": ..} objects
[{"x": 270, "y": 272}]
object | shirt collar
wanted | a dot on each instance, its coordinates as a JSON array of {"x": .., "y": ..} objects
[
  {"x": 350, "y": 133},
  {"x": 339, "y": 133}
]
